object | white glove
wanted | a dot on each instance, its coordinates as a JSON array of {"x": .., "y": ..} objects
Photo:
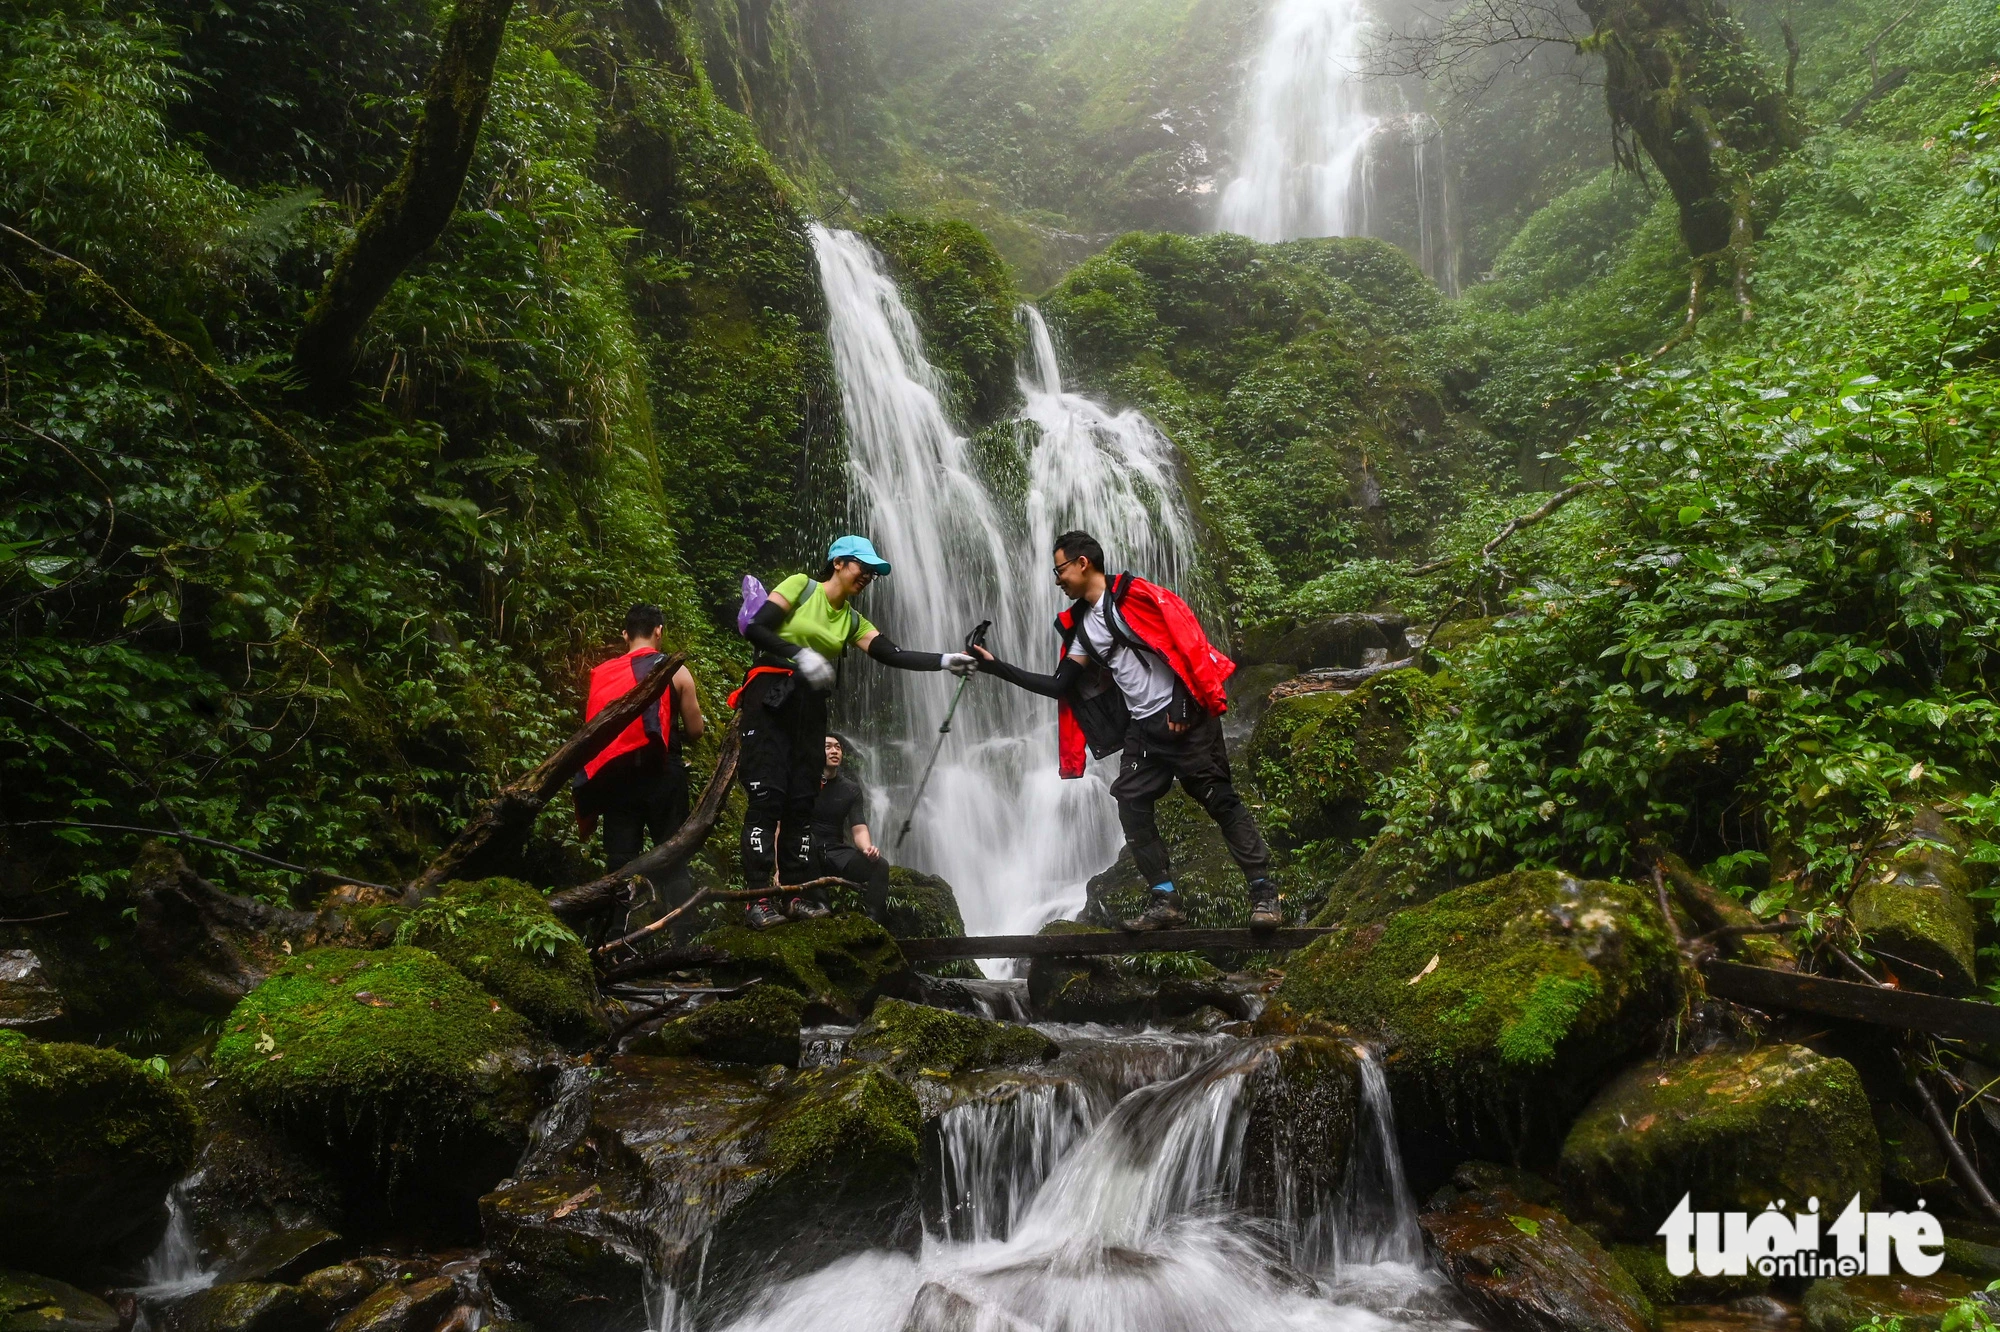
[
  {"x": 817, "y": 670},
  {"x": 958, "y": 663}
]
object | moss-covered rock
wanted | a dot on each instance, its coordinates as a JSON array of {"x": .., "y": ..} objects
[
  {"x": 416, "y": 1080},
  {"x": 1502, "y": 1005},
  {"x": 841, "y": 963},
  {"x": 1735, "y": 1130},
  {"x": 964, "y": 300},
  {"x": 501, "y": 934},
  {"x": 40, "y": 1304},
  {"x": 908, "y": 1040},
  {"x": 402, "y": 1306},
  {"x": 1318, "y": 757},
  {"x": 1527, "y": 1267},
  {"x": 1391, "y": 874},
  {"x": 923, "y": 906},
  {"x": 241, "y": 1306},
  {"x": 249, "y": 1188},
  {"x": 1342, "y": 641},
  {"x": 762, "y": 1027},
  {"x": 1647, "y": 1265},
  {"x": 1915, "y": 1304},
  {"x": 1912, "y": 907},
  {"x": 1125, "y": 988},
  {"x": 1913, "y": 1164},
  {"x": 90, "y": 1142},
  {"x": 677, "y": 1164}
]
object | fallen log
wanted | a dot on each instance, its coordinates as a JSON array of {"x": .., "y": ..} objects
[
  {"x": 587, "y": 898},
  {"x": 1761, "y": 987},
  {"x": 1114, "y": 942},
  {"x": 511, "y": 813}
]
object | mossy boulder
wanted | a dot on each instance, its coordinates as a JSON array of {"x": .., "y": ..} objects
[
  {"x": 964, "y": 299},
  {"x": 90, "y": 1142},
  {"x": 1648, "y": 1266},
  {"x": 1318, "y": 757},
  {"x": 402, "y": 1306},
  {"x": 39, "y": 1304},
  {"x": 1301, "y": 1117},
  {"x": 242, "y": 1306},
  {"x": 502, "y": 935},
  {"x": 1914, "y": 1304},
  {"x": 1526, "y": 1267},
  {"x": 676, "y": 1165},
  {"x": 417, "y": 1083},
  {"x": 762, "y": 1027},
  {"x": 909, "y": 1040},
  {"x": 1501, "y": 1006},
  {"x": 841, "y": 963},
  {"x": 1912, "y": 907},
  {"x": 251, "y": 1189},
  {"x": 1735, "y": 1130},
  {"x": 923, "y": 906},
  {"x": 1332, "y": 641},
  {"x": 1391, "y": 874}
]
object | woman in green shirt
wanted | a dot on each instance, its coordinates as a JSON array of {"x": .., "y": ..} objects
[{"x": 807, "y": 625}]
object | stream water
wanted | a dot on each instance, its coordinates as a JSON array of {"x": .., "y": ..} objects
[
  {"x": 1014, "y": 840},
  {"x": 1103, "y": 1195}
]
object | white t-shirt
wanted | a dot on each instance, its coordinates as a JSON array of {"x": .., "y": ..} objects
[{"x": 1143, "y": 677}]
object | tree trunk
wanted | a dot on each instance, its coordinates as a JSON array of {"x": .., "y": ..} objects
[
  {"x": 410, "y": 214},
  {"x": 1681, "y": 77}
]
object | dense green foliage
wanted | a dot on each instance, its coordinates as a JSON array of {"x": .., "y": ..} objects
[{"x": 963, "y": 297}]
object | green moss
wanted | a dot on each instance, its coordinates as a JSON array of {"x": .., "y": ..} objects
[
  {"x": 840, "y": 963},
  {"x": 853, "y": 1121},
  {"x": 964, "y": 300},
  {"x": 910, "y": 1039},
  {"x": 1647, "y": 1266},
  {"x": 923, "y": 906},
  {"x": 760, "y": 1028},
  {"x": 1541, "y": 984},
  {"x": 1317, "y": 758},
  {"x": 90, "y": 1141},
  {"x": 1913, "y": 905},
  {"x": 392, "y": 1052},
  {"x": 38, "y": 1304},
  {"x": 1736, "y": 1130},
  {"x": 501, "y": 934}
]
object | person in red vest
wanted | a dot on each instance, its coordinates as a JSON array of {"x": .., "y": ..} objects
[
  {"x": 638, "y": 784},
  {"x": 1137, "y": 674}
]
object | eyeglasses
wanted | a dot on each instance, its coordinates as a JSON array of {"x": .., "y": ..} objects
[{"x": 1065, "y": 564}]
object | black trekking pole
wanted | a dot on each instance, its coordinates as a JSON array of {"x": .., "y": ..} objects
[{"x": 977, "y": 638}]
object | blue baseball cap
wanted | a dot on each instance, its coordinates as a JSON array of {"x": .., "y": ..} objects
[{"x": 858, "y": 548}]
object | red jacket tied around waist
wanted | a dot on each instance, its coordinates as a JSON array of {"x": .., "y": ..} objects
[{"x": 1167, "y": 625}]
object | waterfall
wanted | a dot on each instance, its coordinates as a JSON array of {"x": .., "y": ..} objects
[
  {"x": 1136, "y": 1225},
  {"x": 1015, "y": 841},
  {"x": 1323, "y": 155}
]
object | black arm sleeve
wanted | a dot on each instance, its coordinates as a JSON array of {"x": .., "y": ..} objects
[
  {"x": 1050, "y": 686},
  {"x": 763, "y": 631},
  {"x": 902, "y": 659}
]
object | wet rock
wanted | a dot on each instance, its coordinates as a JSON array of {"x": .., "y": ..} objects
[
  {"x": 841, "y": 963},
  {"x": 41, "y": 1304},
  {"x": 249, "y": 1186},
  {"x": 1121, "y": 989},
  {"x": 1647, "y": 1265},
  {"x": 762, "y": 1027},
  {"x": 1841, "y": 1304},
  {"x": 332, "y": 1291},
  {"x": 241, "y": 1307},
  {"x": 1501, "y": 1006},
  {"x": 1912, "y": 908},
  {"x": 1978, "y": 1261},
  {"x": 417, "y": 1084},
  {"x": 1249, "y": 694},
  {"x": 285, "y": 1255},
  {"x": 1735, "y": 1130},
  {"x": 1302, "y": 1109},
  {"x": 1524, "y": 1266},
  {"x": 1317, "y": 757},
  {"x": 501, "y": 934},
  {"x": 1335, "y": 641},
  {"x": 923, "y": 906},
  {"x": 701, "y": 1164},
  {"x": 415, "y": 1306},
  {"x": 29, "y": 1000},
  {"x": 908, "y": 1040},
  {"x": 90, "y": 1142},
  {"x": 939, "y": 1308},
  {"x": 1913, "y": 1164}
]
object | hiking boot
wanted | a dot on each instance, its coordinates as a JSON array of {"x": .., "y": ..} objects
[
  {"x": 1265, "y": 913},
  {"x": 1163, "y": 913},
  {"x": 804, "y": 908},
  {"x": 762, "y": 915}
]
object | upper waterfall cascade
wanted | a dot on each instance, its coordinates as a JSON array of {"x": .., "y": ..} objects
[
  {"x": 1015, "y": 841},
  {"x": 1325, "y": 152}
]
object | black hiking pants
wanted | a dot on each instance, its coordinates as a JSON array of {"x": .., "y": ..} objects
[
  {"x": 639, "y": 813},
  {"x": 784, "y": 751},
  {"x": 857, "y": 866},
  {"x": 1154, "y": 759}
]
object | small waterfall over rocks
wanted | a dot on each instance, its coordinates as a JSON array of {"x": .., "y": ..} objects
[
  {"x": 1324, "y": 152},
  {"x": 1015, "y": 841}
]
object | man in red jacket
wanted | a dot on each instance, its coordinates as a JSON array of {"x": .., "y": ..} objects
[{"x": 1138, "y": 674}]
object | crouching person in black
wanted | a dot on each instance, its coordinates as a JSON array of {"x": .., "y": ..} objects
[{"x": 840, "y": 826}]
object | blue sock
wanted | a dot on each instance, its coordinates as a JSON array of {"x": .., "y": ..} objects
[{"x": 1167, "y": 887}]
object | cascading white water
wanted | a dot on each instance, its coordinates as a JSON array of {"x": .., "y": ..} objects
[
  {"x": 1015, "y": 841},
  {"x": 1135, "y": 1229},
  {"x": 1307, "y": 126}
]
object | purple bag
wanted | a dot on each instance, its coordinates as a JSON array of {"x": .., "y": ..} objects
[{"x": 754, "y": 597}]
